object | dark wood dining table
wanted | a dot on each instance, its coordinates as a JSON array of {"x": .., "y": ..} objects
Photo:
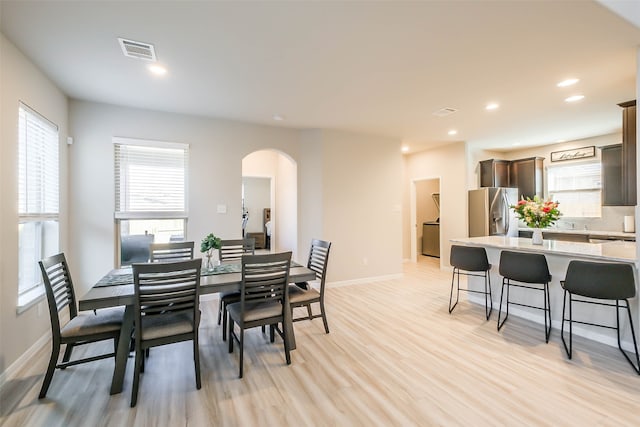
[{"x": 115, "y": 289}]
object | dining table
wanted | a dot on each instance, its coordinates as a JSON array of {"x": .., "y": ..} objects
[{"x": 115, "y": 289}]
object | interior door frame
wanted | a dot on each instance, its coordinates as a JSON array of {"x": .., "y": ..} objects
[{"x": 414, "y": 214}]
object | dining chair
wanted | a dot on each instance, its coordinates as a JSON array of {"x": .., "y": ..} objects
[
  {"x": 263, "y": 299},
  {"x": 303, "y": 294},
  {"x": 135, "y": 248},
  {"x": 166, "y": 310},
  {"x": 82, "y": 327},
  {"x": 232, "y": 250},
  {"x": 170, "y": 252}
]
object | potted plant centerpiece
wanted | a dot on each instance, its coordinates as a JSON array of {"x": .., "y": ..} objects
[
  {"x": 208, "y": 245},
  {"x": 537, "y": 214}
]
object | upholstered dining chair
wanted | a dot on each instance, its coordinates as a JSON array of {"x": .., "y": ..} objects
[
  {"x": 166, "y": 310},
  {"x": 232, "y": 250},
  {"x": 82, "y": 328},
  {"x": 263, "y": 299},
  {"x": 302, "y": 294},
  {"x": 171, "y": 252},
  {"x": 135, "y": 248}
]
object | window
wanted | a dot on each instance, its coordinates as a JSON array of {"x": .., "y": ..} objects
[
  {"x": 38, "y": 199},
  {"x": 578, "y": 189},
  {"x": 151, "y": 188}
]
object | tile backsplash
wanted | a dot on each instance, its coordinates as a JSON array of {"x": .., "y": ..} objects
[{"x": 612, "y": 220}]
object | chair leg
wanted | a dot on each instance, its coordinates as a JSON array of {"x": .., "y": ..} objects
[
  {"x": 324, "y": 317},
  {"x": 287, "y": 350},
  {"x": 272, "y": 333},
  {"x": 487, "y": 294},
  {"x": 309, "y": 313},
  {"x": 53, "y": 360},
  {"x": 568, "y": 349},
  {"x": 453, "y": 276},
  {"x": 636, "y": 366},
  {"x": 241, "y": 345},
  {"x": 225, "y": 316},
  {"x": 547, "y": 311},
  {"x": 504, "y": 282},
  {"x": 196, "y": 360},
  {"x": 230, "y": 334},
  {"x": 67, "y": 354},
  {"x": 137, "y": 364}
]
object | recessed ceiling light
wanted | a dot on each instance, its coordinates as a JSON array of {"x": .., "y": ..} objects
[
  {"x": 515, "y": 144},
  {"x": 560, "y": 140},
  {"x": 278, "y": 117},
  {"x": 574, "y": 98},
  {"x": 492, "y": 106},
  {"x": 568, "y": 82},
  {"x": 453, "y": 132},
  {"x": 157, "y": 69},
  {"x": 405, "y": 149}
]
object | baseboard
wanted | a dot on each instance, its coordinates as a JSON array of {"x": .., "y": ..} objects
[
  {"x": 364, "y": 280},
  {"x": 25, "y": 358}
]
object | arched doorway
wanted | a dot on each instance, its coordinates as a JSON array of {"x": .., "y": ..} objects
[{"x": 279, "y": 172}]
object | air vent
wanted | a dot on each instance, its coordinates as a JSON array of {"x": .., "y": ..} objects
[
  {"x": 138, "y": 50},
  {"x": 444, "y": 111}
]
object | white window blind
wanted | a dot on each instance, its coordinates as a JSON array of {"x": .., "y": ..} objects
[
  {"x": 150, "y": 179},
  {"x": 577, "y": 187},
  {"x": 38, "y": 196}
]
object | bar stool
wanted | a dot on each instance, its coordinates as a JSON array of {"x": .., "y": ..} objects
[
  {"x": 469, "y": 260},
  {"x": 530, "y": 269},
  {"x": 599, "y": 281}
]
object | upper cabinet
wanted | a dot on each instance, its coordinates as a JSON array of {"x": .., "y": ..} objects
[
  {"x": 629, "y": 152},
  {"x": 619, "y": 163},
  {"x": 528, "y": 176},
  {"x": 494, "y": 173}
]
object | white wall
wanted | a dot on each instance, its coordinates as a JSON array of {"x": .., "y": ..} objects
[
  {"x": 257, "y": 197},
  {"x": 447, "y": 163},
  {"x": 20, "y": 80}
]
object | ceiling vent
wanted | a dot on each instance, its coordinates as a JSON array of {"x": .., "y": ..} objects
[
  {"x": 138, "y": 50},
  {"x": 444, "y": 112}
]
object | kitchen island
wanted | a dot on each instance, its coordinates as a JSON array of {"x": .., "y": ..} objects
[{"x": 558, "y": 255}]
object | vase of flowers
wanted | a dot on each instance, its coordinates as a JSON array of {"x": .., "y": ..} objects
[
  {"x": 208, "y": 245},
  {"x": 537, "y": 214}
]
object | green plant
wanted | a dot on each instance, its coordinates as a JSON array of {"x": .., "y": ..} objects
[
  {"x": 536, "y": 213},
  {"x": 210, "y": 242}
]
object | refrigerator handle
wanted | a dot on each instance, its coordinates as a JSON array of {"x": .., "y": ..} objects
[{"x": 507, "y": 220}]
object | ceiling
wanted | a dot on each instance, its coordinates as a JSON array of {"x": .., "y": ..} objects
[{"x": 380, "y": 68}]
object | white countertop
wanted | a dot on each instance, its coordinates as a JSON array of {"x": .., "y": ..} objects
[
  {"x": 609, "y": 251},
  {"x": 620, "y": 234}
]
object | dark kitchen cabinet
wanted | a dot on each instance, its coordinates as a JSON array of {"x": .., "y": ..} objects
[
  {"x": 494, "y": 173},
  {"x": 629, "y": 152},
  {"x": 528, "y": 176},
  {"x": 611, "y": 161}
]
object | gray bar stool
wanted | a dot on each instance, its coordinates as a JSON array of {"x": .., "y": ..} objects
[
  {"x": 470, "y": 261},
  {"x": 530, "y": 269},
  {"x": 600, "y": 281}
]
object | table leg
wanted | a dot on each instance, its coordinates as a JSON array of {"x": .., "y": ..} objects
[
  {"x": 288, "y": 329},
  {"x": 123, "y": 351}
]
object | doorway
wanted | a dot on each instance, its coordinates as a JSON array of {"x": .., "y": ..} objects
[{"x": 425, "y": 219}]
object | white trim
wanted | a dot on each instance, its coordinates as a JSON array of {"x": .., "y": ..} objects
[
  {"x": 30, "y": 298},
  {"x": 24, "y": 359},
  {"x": 152, "y": 215},
  {"x": 364, "y": 280},
  {"x": 149, "y": 143}
]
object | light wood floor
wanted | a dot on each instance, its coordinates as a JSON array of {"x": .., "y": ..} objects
[{"x": 394, "y": 357}]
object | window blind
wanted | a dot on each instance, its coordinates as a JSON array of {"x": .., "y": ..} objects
[{"x": 150, "y": 179}]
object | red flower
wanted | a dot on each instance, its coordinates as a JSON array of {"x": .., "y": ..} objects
[{"x": 546, "y": 209}]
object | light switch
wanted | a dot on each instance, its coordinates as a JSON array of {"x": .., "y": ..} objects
[{"x": 222, "y": 209}]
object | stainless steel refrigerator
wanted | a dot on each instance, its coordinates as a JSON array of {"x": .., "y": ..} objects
[{"x": 489, "y": 212}]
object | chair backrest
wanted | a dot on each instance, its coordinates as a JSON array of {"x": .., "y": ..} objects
[
  {"x": 600, "y": 280},
  {"x": 524, "y": 267},
  {"x": 170, "y": 252},
  {"x": 469, "y": 258},
  {"x": 135, "y": 248},
  {"x": 265, "y": 278},
  {"x": 319, "y": 259},
  {"x": 232, "y": 250},
  {"x": 59, "y": 289},
  {"x": 167, "y": 288}
]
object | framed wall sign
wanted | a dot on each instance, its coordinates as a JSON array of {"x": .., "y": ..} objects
[{"x": 576, "y": 153}]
